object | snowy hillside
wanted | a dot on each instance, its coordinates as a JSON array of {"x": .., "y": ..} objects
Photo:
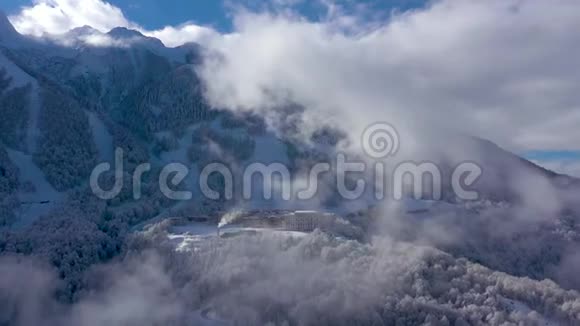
[{"x": 508, "y": 258}]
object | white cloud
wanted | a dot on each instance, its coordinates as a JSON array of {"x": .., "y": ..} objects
[
  {"x": 104, "y": 40},
  {"x": 56, "y": 17},
  {"x": 175, "y": 36},
  {"x": 503, "y": 70},
  {"x": 500, "y": 69},
  {"x": 60, "y": 16}
]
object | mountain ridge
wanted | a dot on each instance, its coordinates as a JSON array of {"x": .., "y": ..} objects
[
  {"x": 148, "y": 97},
  {"x": 7, "y": 30}
]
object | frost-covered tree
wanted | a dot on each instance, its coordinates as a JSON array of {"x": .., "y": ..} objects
[
  {"x": 5, "y": 80},
  {"x": 70, "y": 243},
  {"x": 66, "y": 150},
  {"x": 9, "y": 183},
  {"x": 14, "y": 110},
  {"x": 9, "y": 180}
]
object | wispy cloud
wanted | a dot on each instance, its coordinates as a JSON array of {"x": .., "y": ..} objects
[
  {"x": 57, "y": 17},
  {"x": 60, "y": 16},
  {"x": 501, "y": 70}
]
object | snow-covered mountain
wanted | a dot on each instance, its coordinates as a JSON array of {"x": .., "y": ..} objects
[
  {"x": 7, "y": 31},
  {"x": 66, "y": 106}
]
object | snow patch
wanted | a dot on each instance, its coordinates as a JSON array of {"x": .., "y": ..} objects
[
  {"x": 42, "y": 200},
  {"x": 102, "y": 138},
  {"x": 33, "y": 130},
  {"x": 19, "y": 77}
]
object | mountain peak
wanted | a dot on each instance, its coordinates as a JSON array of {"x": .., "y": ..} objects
[
  {"x": 7, "y": 31},
  {"x": 133, "y": 36},
  {"x": 83, "y": 30},
  {"x": 123, "y": 32}
]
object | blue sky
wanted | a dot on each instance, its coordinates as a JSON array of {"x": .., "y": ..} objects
[
  {"x": 562, "y": 161},
  {"x": 155, "y": 14},
  {"x": 553, "y": 155}
]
